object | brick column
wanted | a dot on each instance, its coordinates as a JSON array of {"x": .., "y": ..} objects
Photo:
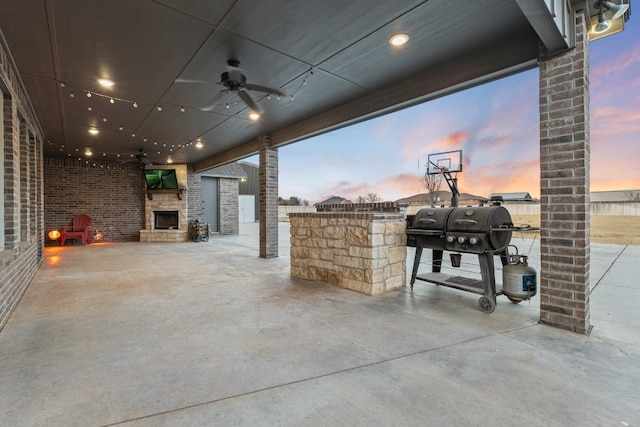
[
  {"x": 268, "y": 177},
  {"x": 564, "y": 186}
]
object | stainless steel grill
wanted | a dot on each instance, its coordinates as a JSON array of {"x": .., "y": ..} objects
[{"x": 482, "y": 230}]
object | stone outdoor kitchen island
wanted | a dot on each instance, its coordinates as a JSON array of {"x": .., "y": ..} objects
[{"x": 356, "y": 246}]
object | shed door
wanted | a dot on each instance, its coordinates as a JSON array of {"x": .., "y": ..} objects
[{"x": 210, "y": 206}]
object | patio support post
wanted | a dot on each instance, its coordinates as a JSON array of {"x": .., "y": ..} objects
[
  {"x": 564, "y": 186},
  {"x": 268, "y": 178}
]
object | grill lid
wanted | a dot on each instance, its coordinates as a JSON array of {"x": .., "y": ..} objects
[
  {"x": 484, "y": 219},
  {"x": 432, "y": 218}
]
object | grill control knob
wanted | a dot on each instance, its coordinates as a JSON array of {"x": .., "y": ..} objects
[
  {"x": 450, "y": 239},
  {"x": 473, "y": 240},
  {"x": 462, "y": 239}
]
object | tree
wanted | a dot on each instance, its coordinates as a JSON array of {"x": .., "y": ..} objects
[
  {"x": 294, "y": 201},
  {"x": 432, "y": 183},
  {"x": 369, "y": 198}
]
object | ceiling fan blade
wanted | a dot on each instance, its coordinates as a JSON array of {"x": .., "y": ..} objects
[
  {"x": 146, "y": 161},
  {"x": 249, "y": 101},
  {"x": 207, "y": 82},
  {"x": 265, "y": 89}
]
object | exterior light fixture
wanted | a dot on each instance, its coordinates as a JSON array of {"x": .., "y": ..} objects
[
  {"x": 94, "y": 131},
  {"x": 617, "y": 10},
  {"x": 106, "y": 82},
  {"x": 602, "y": 25},
  {"x": 399, "y": 39},
  {"x": 54, "y": 234}
]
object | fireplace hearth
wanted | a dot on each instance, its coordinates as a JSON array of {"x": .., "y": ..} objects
[{"x": 165, "y": 220}]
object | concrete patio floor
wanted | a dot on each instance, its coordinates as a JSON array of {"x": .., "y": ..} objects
[{"x": 208, "y": 333}]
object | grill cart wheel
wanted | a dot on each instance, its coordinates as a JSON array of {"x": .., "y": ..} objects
[{"x": 486, "y": 304}]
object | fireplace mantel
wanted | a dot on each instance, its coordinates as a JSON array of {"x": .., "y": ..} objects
[{"x": 177, "y": 192}]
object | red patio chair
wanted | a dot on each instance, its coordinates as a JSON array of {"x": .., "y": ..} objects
[{"x": 80, "y": 229}]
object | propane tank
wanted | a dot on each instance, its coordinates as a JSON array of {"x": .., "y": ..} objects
[{"x": 518, "y": 279}]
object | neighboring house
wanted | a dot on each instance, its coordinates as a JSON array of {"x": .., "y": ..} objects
[
  {"x": 441, "y": 198},
  {"x": 334, "y": 200},
  {"x": 514, "y": 197}
]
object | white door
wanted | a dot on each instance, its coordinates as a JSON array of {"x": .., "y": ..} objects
[{"x": 247, "y": 207}]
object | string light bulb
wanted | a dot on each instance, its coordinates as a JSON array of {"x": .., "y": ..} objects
[
  {"x": 88, "y": 94},
  {"x": 135, "y": 105}
]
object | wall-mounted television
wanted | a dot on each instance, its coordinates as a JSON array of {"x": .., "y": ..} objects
[{"x": 158, "y": 179}]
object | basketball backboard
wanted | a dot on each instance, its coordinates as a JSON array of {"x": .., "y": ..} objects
[{"x": 448, "y": 161}]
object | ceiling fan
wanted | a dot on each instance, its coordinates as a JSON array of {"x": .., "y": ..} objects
[
  {"x": 140, "y": 158},
  {"x": 235, "y": 81}
]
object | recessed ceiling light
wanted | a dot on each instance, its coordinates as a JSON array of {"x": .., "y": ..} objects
[
  {"x": 94, "y": 131},
  {"x": 399, "y": 39},
  {"x": 106, "y": 82}
]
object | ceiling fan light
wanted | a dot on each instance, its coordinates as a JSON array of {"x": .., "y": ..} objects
[
  {"x": 254, "y": 115},
  {"x": 94, "y": 131},
  {"x": 199, "y": 144}
]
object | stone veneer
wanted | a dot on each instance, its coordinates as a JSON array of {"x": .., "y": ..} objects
[
  {"x": 358, "y": 246},
  {"x": 167, "y": 202}
]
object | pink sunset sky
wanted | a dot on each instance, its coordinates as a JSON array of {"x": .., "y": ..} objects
[{"x": 496, "y": 126}]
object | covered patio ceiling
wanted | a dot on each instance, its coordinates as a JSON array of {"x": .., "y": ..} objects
[{"x": 166, "y": 58}]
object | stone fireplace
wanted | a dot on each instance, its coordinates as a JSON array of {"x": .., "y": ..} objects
[{"x": 166, "y": 211}]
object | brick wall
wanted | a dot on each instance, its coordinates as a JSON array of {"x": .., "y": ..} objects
[
  {"x": 564, "y": 186},
  {"x": 22, "y": 242},
  {"x": 228, "y": 205},
  {"x": 112, "y": 194},
  {"x": 194, "y": 194}
]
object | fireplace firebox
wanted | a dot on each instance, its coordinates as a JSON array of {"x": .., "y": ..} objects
[{"x": 165, "y": 220}]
